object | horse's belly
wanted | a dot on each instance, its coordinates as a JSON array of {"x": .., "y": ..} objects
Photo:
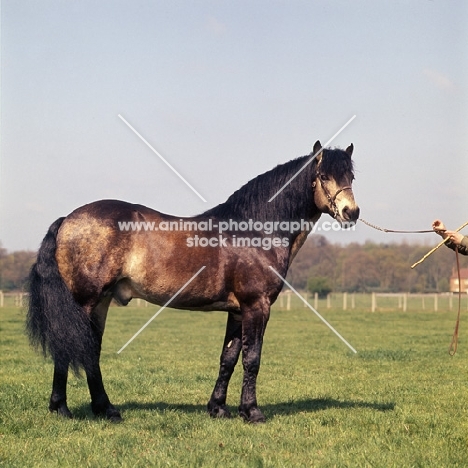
[{"x": 191, "y": 298}]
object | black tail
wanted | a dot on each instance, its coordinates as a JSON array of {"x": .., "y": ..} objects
[{"x": 55, "y": 321}]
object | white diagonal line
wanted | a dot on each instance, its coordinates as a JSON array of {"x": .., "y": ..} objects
[
  {"x": 161, "y": 309},
  {"x": 160, "y": 156},
  {"x": 312, "y": 158},
  {"x": 313, "y": 310}
]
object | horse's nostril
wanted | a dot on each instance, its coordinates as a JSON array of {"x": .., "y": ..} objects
[{"x": 350, "y": 214}]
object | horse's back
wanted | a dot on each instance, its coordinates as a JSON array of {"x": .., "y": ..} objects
[{"x": 110, "y": 211}]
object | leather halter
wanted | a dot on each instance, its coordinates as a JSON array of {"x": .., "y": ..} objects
[{"x": 331, "y": 199}]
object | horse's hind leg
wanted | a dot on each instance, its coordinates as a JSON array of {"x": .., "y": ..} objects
[
  {"x": 58, "y": 399},
  {"x": 231, "y": 349},
  {"x": 100, "y": 403}
]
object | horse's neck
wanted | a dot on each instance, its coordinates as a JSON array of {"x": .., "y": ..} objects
[{"x": 298, "y": 241}]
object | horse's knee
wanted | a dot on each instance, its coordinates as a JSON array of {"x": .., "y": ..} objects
[{"x": 251, "y": 355}]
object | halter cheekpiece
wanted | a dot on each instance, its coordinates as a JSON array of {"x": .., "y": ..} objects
[{"x": 331, "y": 199}]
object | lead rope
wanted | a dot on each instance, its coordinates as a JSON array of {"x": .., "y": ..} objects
[
  {"x": 393, "y": 230},
  {"x": 454, "y": 343}
]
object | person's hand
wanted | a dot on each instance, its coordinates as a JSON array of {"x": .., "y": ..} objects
[
  {"x": 454, "y": 237},
  {"x": 439, "y": 228}
]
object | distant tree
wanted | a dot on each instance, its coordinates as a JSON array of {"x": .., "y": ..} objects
[
  {"x": 443, "y": 285},
  {"x": 3, "y": 253},
  {"x": 373, "y": 266},
  {"x": 316, "y": 258},
  {"x": 14, "y": 268},
  {"x": 320, "y": 285}
]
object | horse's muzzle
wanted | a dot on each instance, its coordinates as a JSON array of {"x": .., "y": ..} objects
[{"x": 349, "y": 215}]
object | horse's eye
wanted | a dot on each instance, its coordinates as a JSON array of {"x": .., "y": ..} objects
[{"x": 323, "y": 177}]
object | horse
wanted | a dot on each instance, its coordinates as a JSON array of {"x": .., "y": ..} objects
[{"x": 91, "y": 257}]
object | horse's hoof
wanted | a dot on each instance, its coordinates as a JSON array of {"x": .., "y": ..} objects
[
  {"x": 252, "y": 416},
  {"x": 113, "y": 415},
  {"x": 218, "y": 411},
  {"x": 109, "y": 411},
  {"x": 61, "y": 409}
]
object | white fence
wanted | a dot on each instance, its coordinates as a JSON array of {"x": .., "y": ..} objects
[
  {"x": 344, "y": 301},
  {"x": 375, "y": 301},
  {"x": 12, "y": 299}
]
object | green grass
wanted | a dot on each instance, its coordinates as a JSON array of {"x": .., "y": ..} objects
[{"x": 401, "y": 401}]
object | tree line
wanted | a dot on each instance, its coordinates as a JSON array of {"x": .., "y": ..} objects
[
  {"x": 368, "y": 267},
  {"x": 14, "y": 269},
  {"x": 352, "y": 268}
]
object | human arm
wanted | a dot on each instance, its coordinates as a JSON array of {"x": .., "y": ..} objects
[{"x": 456, "y": 239}]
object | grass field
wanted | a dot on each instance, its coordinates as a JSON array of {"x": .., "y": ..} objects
[{"x": 401, "y": 401}]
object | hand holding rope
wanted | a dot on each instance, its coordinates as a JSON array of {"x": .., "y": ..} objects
[{"x": 454, "y": 343}]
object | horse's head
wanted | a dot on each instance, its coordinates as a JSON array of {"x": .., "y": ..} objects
[{"x": 332, "y": 182}]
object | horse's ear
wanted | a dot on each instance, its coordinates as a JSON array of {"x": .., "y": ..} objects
[
  {"x": 317, "y": 147},
  {"x": 350, "y": 149}
]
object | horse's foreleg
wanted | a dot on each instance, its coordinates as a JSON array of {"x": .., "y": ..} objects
[
  {"x": 254, "y": 322},
  {"x": 58, "y": 399},
  {"x": 100, "y": 403},
  {"x": 231, "y": 349}
]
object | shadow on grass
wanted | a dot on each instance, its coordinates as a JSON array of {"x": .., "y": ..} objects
[
  {"x": 84, "y": 411},
  {"x": 322, "y": 404},
  {"x": 276, "y": 409}
]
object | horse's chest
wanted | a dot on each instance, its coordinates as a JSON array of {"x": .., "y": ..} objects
[{"x": 297, "y": 244}]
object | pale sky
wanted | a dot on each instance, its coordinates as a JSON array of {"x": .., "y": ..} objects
[{"x": 226, "y": 90}]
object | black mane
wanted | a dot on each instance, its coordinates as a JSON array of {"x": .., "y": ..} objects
[{"x": 294, "y": 202}]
